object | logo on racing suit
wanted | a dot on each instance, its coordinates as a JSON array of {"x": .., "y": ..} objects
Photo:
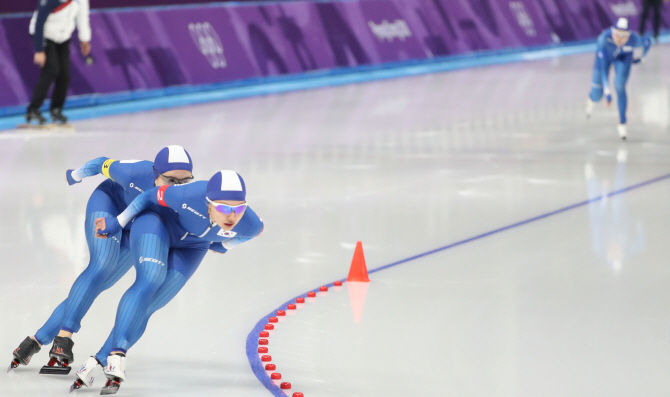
[
  {"x": 143, "y": 259},
  {"x": 226, "y": 233},
  {"x": 132, "y": 185},
  {"x": 186, "y": 207}
]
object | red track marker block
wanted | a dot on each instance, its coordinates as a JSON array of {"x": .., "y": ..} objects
[
  {"x": 262, "y": 349},
  {"x": 323, "y": 288},
  {"x": 300, "y": 300},
  {"x": 311, "y": 294},
  {"x": 263, "y": 342},
  {"x": 266, "y": 359},
  {"x": 298, "y": 394},
  {"x": 281, "y": 313},
  {"x": 358, "y": 271},
  {"x": 273, "y": 320},
  {"x": 269, "y": 326},
  {"x": 291, "y": 306},
  {"x": 285, "y": 385},
  {"x": 264, "y": 334},
  {"x": 337, "y": 283},
  {"x": 275, "y": 375},
  {"x": 270, "y": 367}
]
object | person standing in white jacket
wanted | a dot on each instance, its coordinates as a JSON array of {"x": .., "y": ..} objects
[{"x": 52, "y": 26}]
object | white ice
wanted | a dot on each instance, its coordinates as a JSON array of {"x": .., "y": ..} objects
[{"x": 573, "y": 304}]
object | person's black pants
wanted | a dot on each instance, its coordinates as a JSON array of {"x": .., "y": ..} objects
[
  {"x": 57, "y": 67},
  {"x": 646, "y": 6}
]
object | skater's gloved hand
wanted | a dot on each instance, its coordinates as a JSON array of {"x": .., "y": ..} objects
[
  {"x": 70, "y": 180},
  {"x": 106, "y": 226}
]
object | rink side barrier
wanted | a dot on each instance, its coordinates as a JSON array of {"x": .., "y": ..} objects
[
  {"x": 184, "y": 51},
  {"x": 86, "y": 107},
  {"x": 252, "y": 338},
  {"x": 140, "y": 101}
]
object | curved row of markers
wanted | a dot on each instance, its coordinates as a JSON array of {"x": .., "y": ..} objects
[{"x": 263, "y": 351}]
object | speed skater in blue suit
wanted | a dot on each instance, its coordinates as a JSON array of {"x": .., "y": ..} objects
[
  {"x": 621, "y": 48},
  {"x": 173, "y": 228},
  {"x": 110, "y": 259}
]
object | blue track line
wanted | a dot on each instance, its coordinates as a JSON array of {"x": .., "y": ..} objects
[{"x": 252, "y": 339}]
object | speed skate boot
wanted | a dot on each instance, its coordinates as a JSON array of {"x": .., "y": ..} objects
[
  {"x": 623, "y": 131},
  {"x": 60, "y": 357},
  {"x": 35, "y": 114},
  {"x": 590, "y": 105},
  {"x": 57, "y": 116},
  {"x": 86, "y": 374},
  {"x": 115, "y": 371},
  {"x": 24, "y": 352}
]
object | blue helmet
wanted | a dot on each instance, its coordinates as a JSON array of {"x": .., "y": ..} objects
[
  {"x": 226, "y": 185},
  {"x": 173, "y": 157}
]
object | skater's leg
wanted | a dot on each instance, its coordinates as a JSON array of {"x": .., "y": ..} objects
[
  {"x": 182, "y": 263},
  {"x": 124, "y": 264},
  {"x": 48, "y": 74},
  {"x": 63, "y": 79},
  {"x": 597, "y": 88},
  {"x": 149, "y": 243},
  {"x": 99, "y": 202},
  {"x": 102, "y": 265},
  {"x": 174, "y": 281},
  {"x": 50, "y": 329},
  {"x": 622, "y": 73}
]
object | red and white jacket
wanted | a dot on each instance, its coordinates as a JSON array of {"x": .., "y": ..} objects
[{"x": 62, "y": 17}]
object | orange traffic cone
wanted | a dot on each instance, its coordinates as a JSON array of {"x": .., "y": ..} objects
[{"x": 358, "y": 271}]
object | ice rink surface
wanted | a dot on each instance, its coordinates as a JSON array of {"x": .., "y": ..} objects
[{"x": 572, "y": 304}]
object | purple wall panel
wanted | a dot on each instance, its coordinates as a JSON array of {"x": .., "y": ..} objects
[
  {"x": 204, "y": 47},
  {"x": 154, "y": 48}
]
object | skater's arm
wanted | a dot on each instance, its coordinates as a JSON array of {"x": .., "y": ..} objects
[
  {"x": 118, "y": 171},
  {"x": 640, "y": 51},
  {"x": 84, "y": 27},
  {"x": 45, "y": 8},
  {"x": 113, "y": 225},
  {"x": 158, "y": 195},
  {"x": 254, "y": 229},
  {"x": 141, "y": 202},
  {"x": 93, "y": 167}
]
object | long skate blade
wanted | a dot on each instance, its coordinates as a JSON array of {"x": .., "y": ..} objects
[
  {"x": 29, "y": 126},
  {"x": 48, "y": 370},
  {"x": 63, "y": 126},
  {"x": 111, "y": 389},
  {"x": 75, "y": 386},
  {"x": 12, "y": 365}
]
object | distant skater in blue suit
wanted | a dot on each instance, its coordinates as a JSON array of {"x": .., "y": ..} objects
[{"x": 622, "y": 48}]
